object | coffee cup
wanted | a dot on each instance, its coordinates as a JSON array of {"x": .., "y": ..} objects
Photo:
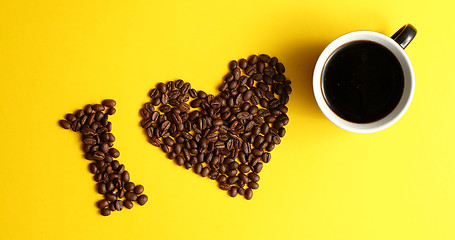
[{"x": 364, "y": 81}]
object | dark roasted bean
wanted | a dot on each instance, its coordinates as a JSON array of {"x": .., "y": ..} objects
[
  {"x": 128, "y": 204},
  {"x": 253, "y": 185},
  {"x": 114, "y": 152},
  {"x": 253, "y": 177},
  {"x": 65, "y": 124},
  {"x": 109, "y": 103},
  {"x": 142, "y": 199},
  {"x": 248, "y": 194},
  {"x": 105, "y": 212}
]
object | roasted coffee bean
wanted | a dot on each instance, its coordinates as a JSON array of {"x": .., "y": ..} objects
[
  {"x": 250, "y": 70},
  {"x": 258, "y": 167},
  {"x": 232, "y": 180},
  {"x": 142, "y": 199},
  {"x": 118, "y": 205},
  {"x": 103, "y": 203},
  {"x": 205, "y": 172},
  {"x": 98, "y": 107},
  {"x": 129, "y": 186},
  {"x": 248, "y": 194},
  {"x": 198, "y": 168},
  {"x": 65, "y": 124},
  {"x": 108, "y": 103},
  {"x": 233, "y": 191},
  {"x": 237, "y": 72},
  {"x": 139, "y": 189},
  {"x": 253, "y": 59},
  {"x": 162, "y": 88},
  {"x": 79, "y": 113},
  {"x": 224, "y": 186},
  {"x": 241, "y": 191},
  {"x": 253, "y": 177},
  {"x": 112, "y": 206},
  {"x": 243, "y": 63},
  {"x": 155, "y": 141},
  {"x": 253, "y": 185},
  {"x": 101, "y": 187},
  {"x": 126, "y": 176},
  {"x": 131, "y": 196},
  {"x": 179, "y": 160},
  {"x": 114, "y": 152},
  {"x": 93, "y": 168},
  {"x": 105, "y": 212},
  {"x": 243, "y": 168},
  {"x": 265, "y": 58},
  {"x": 280, "y": 67},
  {"x": 128, "y": 204},
  {"x": 221, "y": 178},
  {"x": 111, "y": 197}
]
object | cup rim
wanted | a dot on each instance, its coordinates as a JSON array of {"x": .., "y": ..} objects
[{"x": 409, "y": 79}]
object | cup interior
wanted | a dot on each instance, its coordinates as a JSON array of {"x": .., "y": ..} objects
[{"x": 409, "y": 82}]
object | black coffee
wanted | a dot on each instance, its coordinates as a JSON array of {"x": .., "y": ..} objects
[{"x": 362, "y": 82}]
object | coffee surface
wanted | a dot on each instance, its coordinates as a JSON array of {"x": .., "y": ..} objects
[{"x": 362, "y": 82}]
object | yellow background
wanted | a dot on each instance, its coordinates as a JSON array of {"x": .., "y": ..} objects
[{"x": 322, "y": 182}]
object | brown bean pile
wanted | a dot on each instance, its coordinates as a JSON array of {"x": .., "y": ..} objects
[
  {"x": 227, "y": 137},
  {"x": 113, "y": 181}
]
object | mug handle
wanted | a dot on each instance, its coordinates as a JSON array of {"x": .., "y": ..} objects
[{"x": 405, "y": 35}]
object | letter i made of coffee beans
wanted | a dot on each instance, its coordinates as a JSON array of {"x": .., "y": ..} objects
[{"x": 113, "y": 181}]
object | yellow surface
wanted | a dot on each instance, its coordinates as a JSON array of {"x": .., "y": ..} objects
[{"x": 322, "y": 182}]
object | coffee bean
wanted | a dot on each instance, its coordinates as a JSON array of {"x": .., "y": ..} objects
[
  {"x": 129, "y": 186},
  {"x": 233, "y": 191},
  {"x": 237, "y": 72},
  {"x": 253, "y": 59},
  {"x": 128, "y": 204},
  {"x": 139, "y": 189},
  {"x": 70, "y": 117},
  {"x": 162, "y": 88},
  {"x": 253, "y": 185},
  {"x": 241, "y": 191},
  {"x": 104, "y": 147},
  {"x": 155, "y": 141},
  {"x": 205, "y": 172},
  {"x": 142, "y": 199},
  {"x": 112, "y": 206},
  {"x": 250, "y": 70},
  {"x": 243, "y": 63},
  {"x": 111, "y": 197},
  {"x": 179, "y": 160},
  {"x": 243, "y": 168},
  {"x": 126, "y": 176},
  {"x": 248, "y": 194},
  {"x": 105, "y": 212},
  {"x": 131, "y": 196},
  {"x": 93, "y": 168},
  {"x": 65, "y": 124},
  {"x": 114, "y": 152},
  {"x": 224, "y": 186},
  {"x": 98, "y": 107},
  {"x": 109, "y": 103},
  {"x": 253, "y": 177},
  {"x": 101, "y": 187},
  {"x": 103, "y": 203},
  {"x": 118, "y": 205},
  {"x": 280, "y": 67},
  {"x": 258, "y": 167}
]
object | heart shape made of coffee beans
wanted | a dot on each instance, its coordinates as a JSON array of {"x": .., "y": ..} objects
[{"x": 227, "y": 137}]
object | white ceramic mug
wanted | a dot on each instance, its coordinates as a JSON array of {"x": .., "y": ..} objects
[{"x": 395, "y": 44}]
